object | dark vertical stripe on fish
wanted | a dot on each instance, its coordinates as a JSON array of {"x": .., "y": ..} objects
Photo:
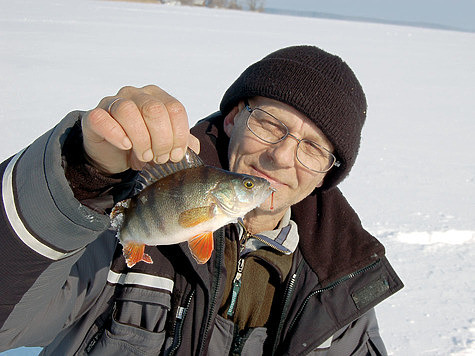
[
  {"x": 143, "y": 212},
  {"x": 180, "y": 203},
  {"x": 157, "y": 219}
]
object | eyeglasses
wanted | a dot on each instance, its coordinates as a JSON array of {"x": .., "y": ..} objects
[{"x": 270, "y": 129}]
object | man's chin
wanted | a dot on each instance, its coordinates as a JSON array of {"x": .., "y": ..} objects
[{"x": 269, "y": 207}]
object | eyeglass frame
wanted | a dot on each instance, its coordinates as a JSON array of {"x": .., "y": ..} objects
[{"x": 335, "y": 163}]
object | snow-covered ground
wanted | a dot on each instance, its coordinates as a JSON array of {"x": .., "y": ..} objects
[{"x": 413, "y": 184}]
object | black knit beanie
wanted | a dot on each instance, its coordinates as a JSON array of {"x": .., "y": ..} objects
[{"x": 318, "y": 84}]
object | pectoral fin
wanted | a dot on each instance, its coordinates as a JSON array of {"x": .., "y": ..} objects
[
  {"x": 201, "y": 246},
  {"x": 134, "y": 253},
  {"x": 195, "y": 216}
]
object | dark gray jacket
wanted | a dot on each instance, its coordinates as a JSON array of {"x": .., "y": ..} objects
[{"x": 65, "y": 285}]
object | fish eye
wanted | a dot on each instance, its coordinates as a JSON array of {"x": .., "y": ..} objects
[{"x": 248, "y": 183}]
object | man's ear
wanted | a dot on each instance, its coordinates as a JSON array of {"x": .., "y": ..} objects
[{"x": 228, "y": 123}]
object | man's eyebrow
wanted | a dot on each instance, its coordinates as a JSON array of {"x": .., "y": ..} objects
[
  {"x": 311, "y": 135},
  {"x": 317, "y": 137}
]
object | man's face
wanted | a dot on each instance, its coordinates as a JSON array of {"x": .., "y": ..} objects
[{"x": 275, "y": 162}]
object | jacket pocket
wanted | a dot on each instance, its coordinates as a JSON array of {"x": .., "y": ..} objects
[
  {"x": 122, "y": 339},
  {"x": 137, "y": 324}
]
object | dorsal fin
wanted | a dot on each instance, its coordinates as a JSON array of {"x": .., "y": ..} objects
[{"x": 153, "y": 172}]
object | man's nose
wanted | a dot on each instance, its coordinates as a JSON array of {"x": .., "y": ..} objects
[{"x": 283, "y": 153}]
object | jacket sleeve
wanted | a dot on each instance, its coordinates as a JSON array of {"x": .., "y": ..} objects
[
  {"x": 45, "y": 235},
  {"x": 359, "y": 338}
]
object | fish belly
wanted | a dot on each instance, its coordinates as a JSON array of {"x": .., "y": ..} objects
[{"x": 173, "y": 233}]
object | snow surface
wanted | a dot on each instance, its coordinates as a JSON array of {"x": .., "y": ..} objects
[{"x": 413, "y": 184}]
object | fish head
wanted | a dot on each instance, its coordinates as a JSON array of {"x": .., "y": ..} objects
[{"x": 241, "y": 193}]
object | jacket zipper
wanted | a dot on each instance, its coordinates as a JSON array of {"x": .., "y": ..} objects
[
  {"x": 100, "y": 331},
  {"x": 240, "y": 265},
  {"x": 247, "y": 235},
  {"x": 180, "y": 318},
  {"x": 287, "y": 297},
  {"x": 268, "y": 244},
  {"x": 331, "y": 286},
  {"x": 236, "y": 287},
  {"x": 289, "y": 292},
  {"x": 216, "y": 282},
  {"x": 93, "y": 341}
]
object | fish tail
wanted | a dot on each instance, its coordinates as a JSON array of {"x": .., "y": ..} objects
[{"x": 134, "y": 253}]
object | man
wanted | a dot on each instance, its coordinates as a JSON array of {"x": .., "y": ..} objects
[{"x": 299, "y": 275}]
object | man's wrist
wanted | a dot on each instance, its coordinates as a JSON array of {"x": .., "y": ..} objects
[{"x": 87, "y": 182}]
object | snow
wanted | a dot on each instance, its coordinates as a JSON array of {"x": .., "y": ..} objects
[{"x": 413, "y": 184}]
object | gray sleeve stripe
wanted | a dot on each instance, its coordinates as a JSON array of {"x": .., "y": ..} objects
[
  {"x": 16, "y": 222},
  {"x": 141, "y": 279}
]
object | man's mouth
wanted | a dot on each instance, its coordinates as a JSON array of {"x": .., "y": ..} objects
[{"x": 275, "y": 183}]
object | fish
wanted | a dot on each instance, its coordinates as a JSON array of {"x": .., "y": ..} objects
[{"x": 183, "y": 201}]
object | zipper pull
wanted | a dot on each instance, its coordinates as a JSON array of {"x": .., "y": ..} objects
[
  {"x": 236, "y": 287},
  {"x": 246, "y": 235},
  {"x": 180, "y": 312}
]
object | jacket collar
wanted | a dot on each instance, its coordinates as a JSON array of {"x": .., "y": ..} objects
[{"x": 284, "y": 238}]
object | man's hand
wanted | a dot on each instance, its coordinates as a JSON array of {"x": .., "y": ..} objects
[{"x": 136, "y": 126}]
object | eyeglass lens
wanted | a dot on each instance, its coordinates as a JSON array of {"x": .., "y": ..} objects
[{"x": 271, "y": 130}]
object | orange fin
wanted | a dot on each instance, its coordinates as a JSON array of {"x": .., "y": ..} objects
[
  {"x": 134, "y": 253},
  {"x": 195, "y": 216},
  {"x": 117, "y": 213},
  {"x": 201, "y": 246}
]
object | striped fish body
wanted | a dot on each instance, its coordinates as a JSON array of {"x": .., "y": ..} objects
[
  {"x": 187, "y": 205},
  {"x": 181, "y": 205}
]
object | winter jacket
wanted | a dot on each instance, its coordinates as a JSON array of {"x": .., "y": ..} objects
[{"x": 65, "y": 285}]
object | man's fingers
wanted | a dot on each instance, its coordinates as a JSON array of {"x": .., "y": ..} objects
[
  {"x": 157, "y": 120},
  {"x": 99, "y": 126},
  {"x": 167, "y": 123},
  {"x": 149, "y": 120},
  {"x": 135, "y": 163},
  {"x": 126, "y": 113},
  {"x": 181, "y": 130},
  {"x": 194, "y": 143}
]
